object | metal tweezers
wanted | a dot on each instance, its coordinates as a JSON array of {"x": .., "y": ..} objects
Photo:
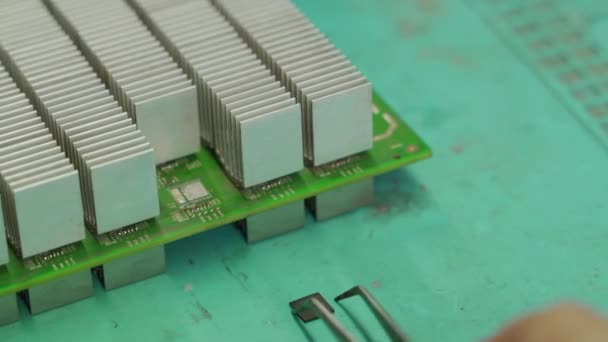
[{"x": 314, "y": 306}]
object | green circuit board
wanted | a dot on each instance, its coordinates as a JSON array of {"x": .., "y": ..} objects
[{"x": 196, "y": 196}]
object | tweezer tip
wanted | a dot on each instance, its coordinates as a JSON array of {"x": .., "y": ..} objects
[{"x": 349, "y": 293}]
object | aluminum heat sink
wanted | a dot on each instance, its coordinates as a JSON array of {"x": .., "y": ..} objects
[
  {"x": 40, "y": 189},
  {"x": 114, "y": 160},
  {"x": 3, "y": 244},
  {"x": 256, "y": 124},
  {"x": 336, "y": 99},
  {"x": 149, "y": 85}
]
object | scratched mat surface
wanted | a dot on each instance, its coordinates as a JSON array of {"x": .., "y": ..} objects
[{"x": 510, "y": 214}]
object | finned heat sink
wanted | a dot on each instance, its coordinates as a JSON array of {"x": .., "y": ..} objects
[
  {"x": 253, "y": 124},
  {"x": 114, "y": 160},
  {"x": 149, "y": 85},
  {"x": 39, "y": 187},
  {"x": 336, "y": 99}
]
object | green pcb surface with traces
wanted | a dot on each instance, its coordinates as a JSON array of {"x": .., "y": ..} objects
[{"x": 395, "y": 145}]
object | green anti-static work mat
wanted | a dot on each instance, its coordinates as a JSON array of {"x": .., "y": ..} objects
[{"x": 508, "y": 216}]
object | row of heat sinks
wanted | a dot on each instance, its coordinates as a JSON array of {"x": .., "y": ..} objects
[
  {"x": 100, "y": 92},
  {"x": 116, "y": 180}
]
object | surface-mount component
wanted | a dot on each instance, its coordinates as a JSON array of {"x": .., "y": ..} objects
[
  {"x": 253, "y": 124},
  {"x": 40, "y": 189},
  {"x": 190, "y": 192},
  {"x": 335, "y": 97},
  {"x": 342, "y": 200},
  {"x": 57, "y": 293},
  {"x": 133, "y": 268},
  {"x": 115, "y": 161},
  {"x": 149, "y": 85},
  {"x": 274, "y": 222}
]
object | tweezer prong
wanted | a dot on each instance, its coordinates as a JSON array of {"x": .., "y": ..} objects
[
  {"x": 313, "y": 303},
  {"x": 388, "y": 323}
]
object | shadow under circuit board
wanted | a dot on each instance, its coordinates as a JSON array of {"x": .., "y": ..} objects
[{"x": 196, "y": 196}]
